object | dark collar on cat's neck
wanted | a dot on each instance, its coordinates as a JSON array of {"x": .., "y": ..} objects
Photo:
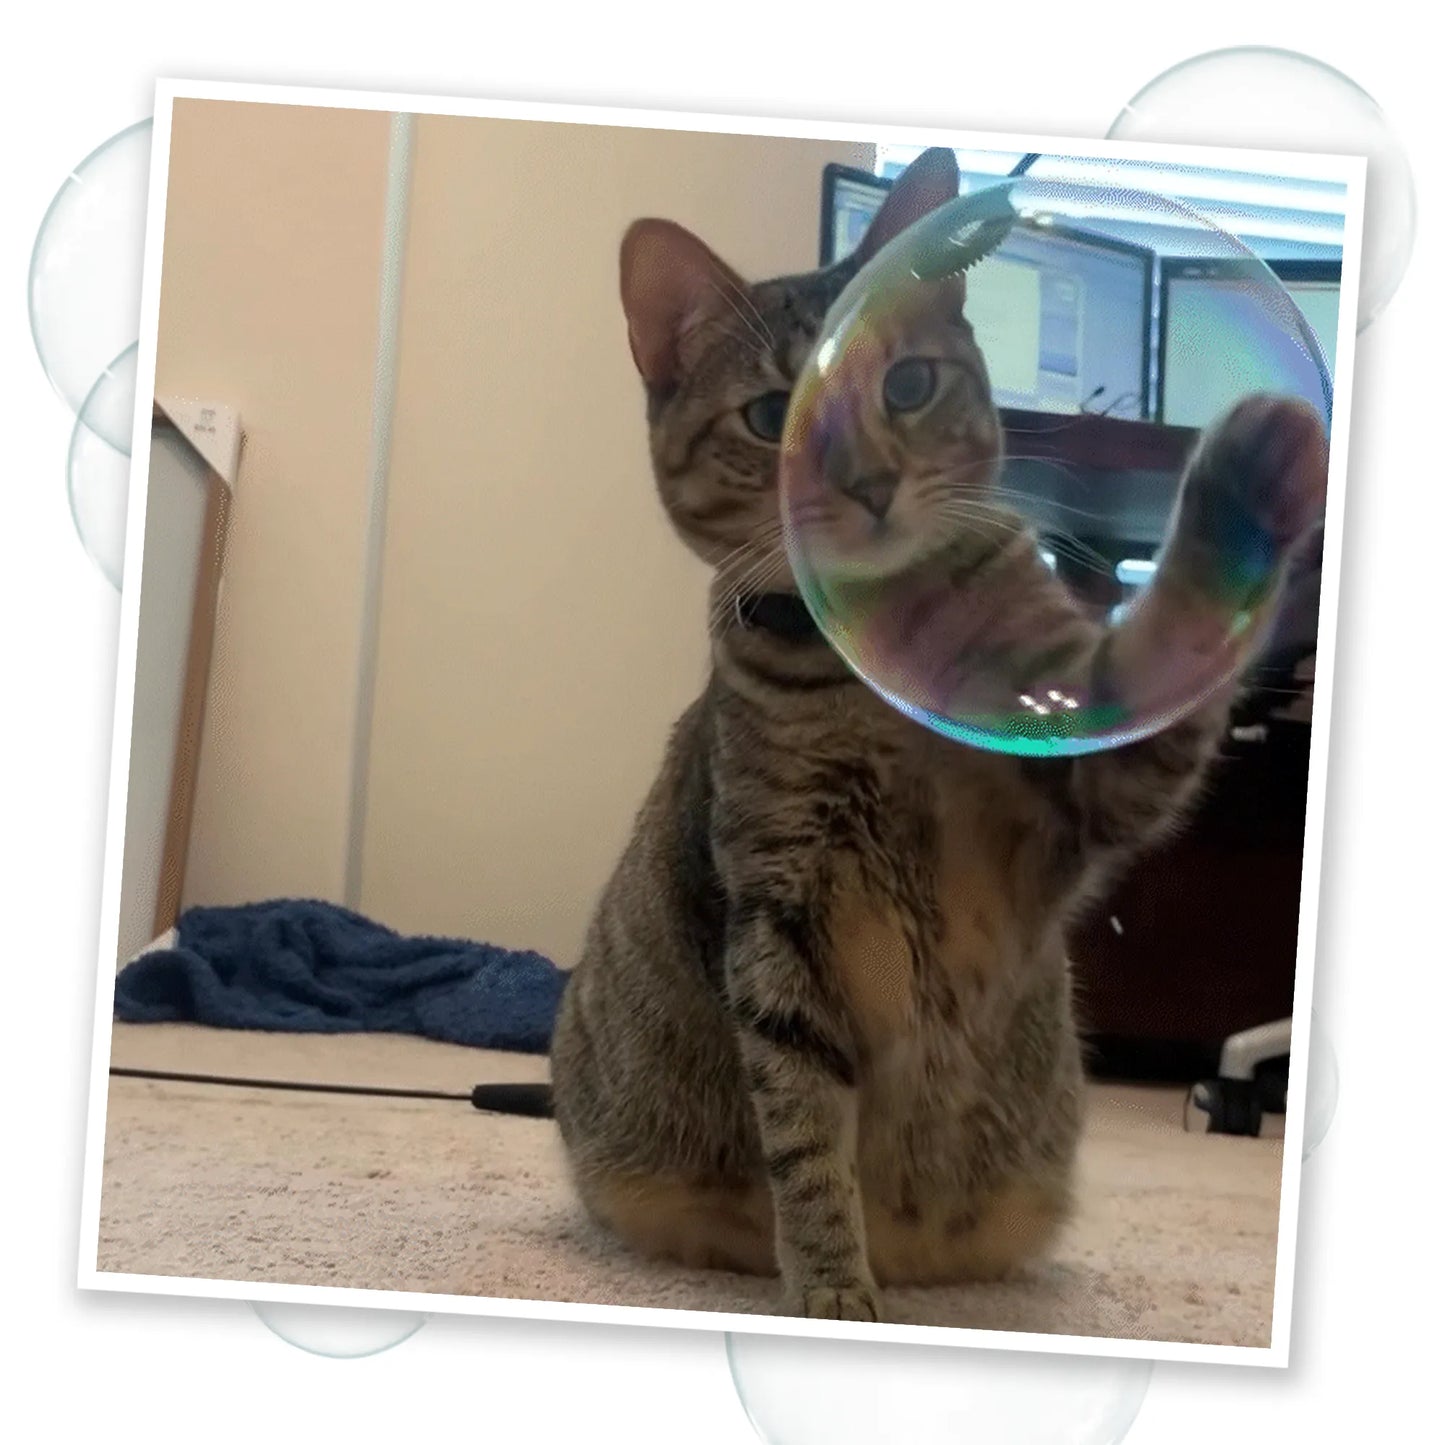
[{"x": 780, "y": 614}]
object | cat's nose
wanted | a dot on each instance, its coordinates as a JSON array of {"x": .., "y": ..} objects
[{"x": 873, "y": 492}]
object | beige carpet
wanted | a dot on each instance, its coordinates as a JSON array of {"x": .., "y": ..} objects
[{"x": 1176, "y": 1239}]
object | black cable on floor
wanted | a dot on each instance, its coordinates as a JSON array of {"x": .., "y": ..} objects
[
  {"x": 523, "y": 1100},
  {"x": 287, "y": 1084}
]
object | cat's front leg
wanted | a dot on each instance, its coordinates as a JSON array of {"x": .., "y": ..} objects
[
  {"x": 1252, "y": 493},
  {"x": 802, "y": 1076}
]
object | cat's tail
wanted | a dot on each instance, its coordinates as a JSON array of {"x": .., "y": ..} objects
[{"x": 534, "y": 1101}]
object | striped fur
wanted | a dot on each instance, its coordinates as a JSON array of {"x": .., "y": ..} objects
[{"x": 822, "y": 1025}]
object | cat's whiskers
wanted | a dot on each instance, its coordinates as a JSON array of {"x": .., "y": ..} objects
[
  {"x": 766, "y": 558},
  {"x": 743, "y": 566},
  {"x": 975, "y": 513},
  {"x": 766, "y": 533},
  {"x": 1079, "y": 551},
  {"x": 730, "y": 289},
  {"x": 1064, "y": 470},
  {"x": 961, "y": 510},
  {"x": 949, "y": 481},
  {"x": 736, "y": 556},
  {"x": 756, "y": 329},
  {"x": 957, "y": 503},
  {"x": 727, "y": 600},
  {"x": 1017, "y": 494}
]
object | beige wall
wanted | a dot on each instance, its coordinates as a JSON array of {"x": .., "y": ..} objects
[
  {"x": 269, "y": 299},
  {"x": 540, "y": 626}
]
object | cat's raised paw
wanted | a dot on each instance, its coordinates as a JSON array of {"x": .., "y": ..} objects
[
  {"x": 1265, "y": 462},
  {"x": 828, "y": 1303}
]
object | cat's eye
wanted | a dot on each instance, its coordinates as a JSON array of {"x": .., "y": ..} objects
[
  {"x": 909, "y": 384},
  {"x": 766, "y": 414}
]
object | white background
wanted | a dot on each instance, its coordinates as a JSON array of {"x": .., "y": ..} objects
[{"x": 1367, "y": 1299}]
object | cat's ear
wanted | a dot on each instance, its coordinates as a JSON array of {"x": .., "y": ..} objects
[
  {"x": 671, "y": 285},
  {"x": 930, "y": 182}
]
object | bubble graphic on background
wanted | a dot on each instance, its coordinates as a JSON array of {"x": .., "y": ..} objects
[
  {"x": 949, "y": 565},
  {"x": 1322, "y": 1091},
  {"x": 339, "y": 1332},
  {"x": 1267, "y": 99},
  {"x": 98, "y": 471},
  {"x": 85, "y": 269},
  {"x": 801, "y": 1391}
]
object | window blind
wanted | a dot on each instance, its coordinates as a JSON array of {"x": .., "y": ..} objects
[{"x": 1279, "y": 216}]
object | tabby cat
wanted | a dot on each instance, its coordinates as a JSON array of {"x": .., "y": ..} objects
[{"x": 822, "y": 1025}]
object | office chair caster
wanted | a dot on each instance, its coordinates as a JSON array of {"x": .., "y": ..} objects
[
  {"x": 1251, "y": 1081},
  {"x": 1232, "y": 1106}
]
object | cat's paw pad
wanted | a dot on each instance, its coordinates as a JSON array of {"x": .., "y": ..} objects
[
  {"x": 825, "y": 1302},
  {"x": 1267, "y": 461}
]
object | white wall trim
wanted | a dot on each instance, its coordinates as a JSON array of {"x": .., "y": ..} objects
[{"x": 383, "y": 406}]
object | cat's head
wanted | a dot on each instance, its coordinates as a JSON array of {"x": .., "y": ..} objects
[{"x": 719, "y": 356}]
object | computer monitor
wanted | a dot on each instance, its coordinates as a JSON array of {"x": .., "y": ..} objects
[
  {"x": 1062, "y": 315},
  {"x": 851, "y": 198},
  {"x": 1195, "y": 328}
]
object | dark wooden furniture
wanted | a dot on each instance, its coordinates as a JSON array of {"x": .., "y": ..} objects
[{"x": 1198, "y": 941}]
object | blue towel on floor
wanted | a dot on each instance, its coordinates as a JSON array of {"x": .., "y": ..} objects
[{"x": 302, "y": 967}]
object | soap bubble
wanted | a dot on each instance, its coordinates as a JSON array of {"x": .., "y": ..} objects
[
  {"x": 1269, "y": 99},
  {"x": 1322, "y": 1091},
  {"x": 98, "y": 471},
  {"x": 952, "y": 562},
  {"x": 85, "y": 270},
  {"x": 337, "y": 1331},
  {"x": 804, "y": 1391}
]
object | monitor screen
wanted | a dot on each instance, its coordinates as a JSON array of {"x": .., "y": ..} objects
[
  {"x": 850, "y": 201},
  {"x": 1198, "y": 301},
  {"x": 1062, "y": 316}
]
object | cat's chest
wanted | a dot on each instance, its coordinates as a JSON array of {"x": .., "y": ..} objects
[{"x": 924, "y": 918}]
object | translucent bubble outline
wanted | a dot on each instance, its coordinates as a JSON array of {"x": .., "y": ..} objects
[
  {"x": 1144, "y": 1369},
  {"x": 61, "y": 192},
  {"x": 259, "y": 1307},
  {"x": 1253, "y": 50},
  {"x": 82, "y": 427},
  {"x": 1411, "y": 197}
]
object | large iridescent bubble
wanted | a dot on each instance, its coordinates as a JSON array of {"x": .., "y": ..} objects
[{"x": 988, "y": 551}]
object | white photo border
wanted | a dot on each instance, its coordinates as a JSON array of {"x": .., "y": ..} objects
[{"x": 1346, "y": 170}]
